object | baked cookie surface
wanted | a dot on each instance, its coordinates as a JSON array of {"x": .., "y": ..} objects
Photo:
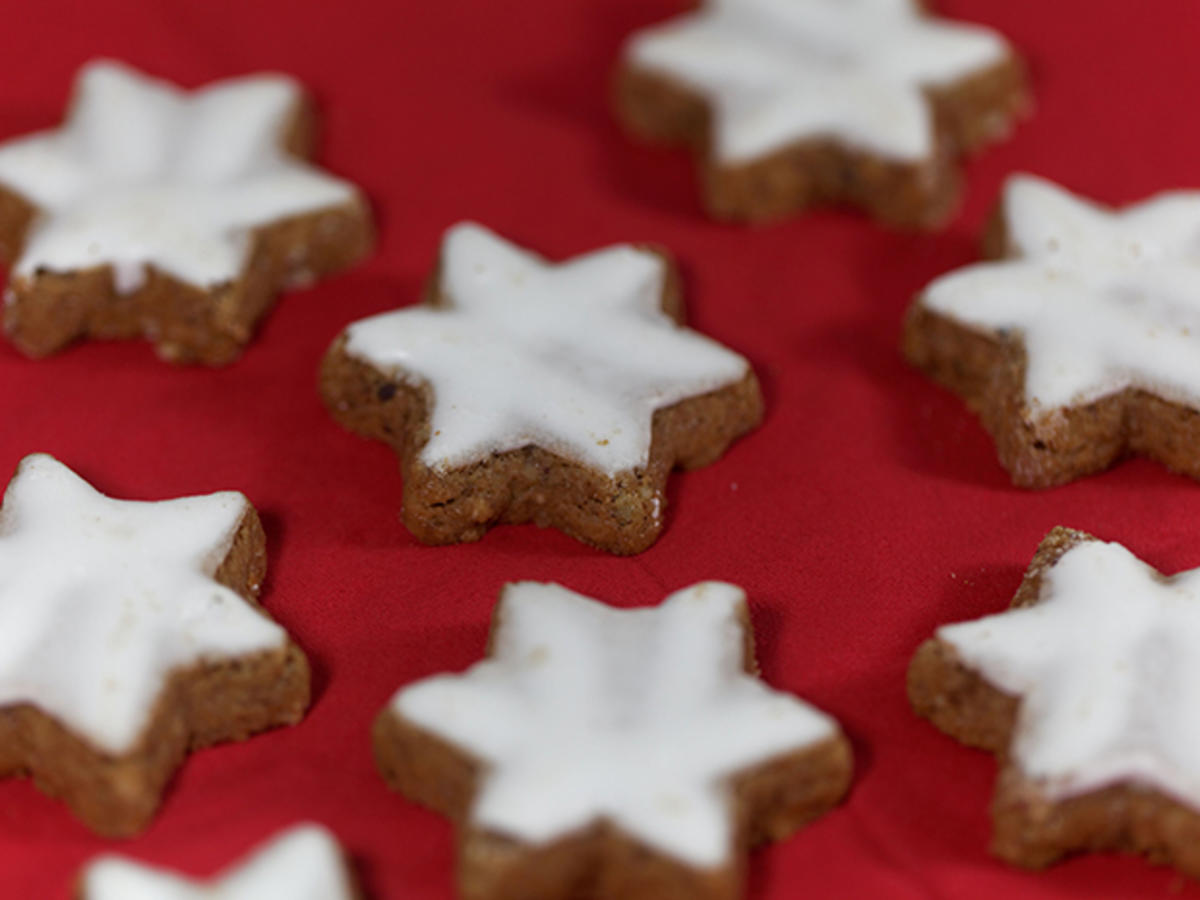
[
  {"x": 173, "y": 215},
  {"x": 796, "y": 103},
  {"x": 627, "y": 754},
  {"x": 1085, "y": 689},
  {"x": 1079, "y": 344},
  {"x": 522, "y": 390},
  {"x": 304, "y": 862},
  {"x": 129, "y": 634}
]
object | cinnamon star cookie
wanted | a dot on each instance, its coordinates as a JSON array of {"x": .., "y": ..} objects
[
  {"x": 613, "y": 754},
  {"x": 1086, "y": 688},
  {"x": 1078, "y": 343},
  {"x": 522, "y": 390},
  {"x": 129, "y": 635},
  {"x": 303, "y": 863},
  {"x": 796, "y": 103},
  {"x": 172, "y": 215}
]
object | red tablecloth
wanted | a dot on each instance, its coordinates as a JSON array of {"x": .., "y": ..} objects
[{"x": 868, "y": 508}]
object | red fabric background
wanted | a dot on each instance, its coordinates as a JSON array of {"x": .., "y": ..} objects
[{"x": 867, "y": 509}]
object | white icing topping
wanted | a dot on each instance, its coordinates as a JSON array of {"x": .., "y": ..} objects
[
  {"x": 303, "y": 863},
  {"x": 1103, "y": 300},
  {"x": 143, "y": 173},
  {"x": 101, "y": 599},
  {"x": 1107, "y": 666},
  {"x": 781, "y": 71},
  {"x": 574, "y": 357},
  {"x": 637, "y": 717}
]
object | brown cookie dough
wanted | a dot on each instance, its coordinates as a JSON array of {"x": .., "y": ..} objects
[
  {"x": 1033, "y": 827},
  {"x": 48, "y": 307},
  {"x": 826, "y": 169},
  {"x": 621, "y": 511},
  {"x": 767, "y": 799}
]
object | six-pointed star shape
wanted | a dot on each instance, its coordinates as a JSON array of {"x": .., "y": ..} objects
[
  {"x": 794, "y": 103},
  {"x": 779, "y": 71},
  {"x": 593, "y": 726},
  {"x": 527, "y": 390},
  {"x": 576, "y": 356},
  {"x": 1096, "y": 315},
  {"x": 1101, "y": 656},
  {"x": 303, "y": 863},
  {"x": 145, "y": 175},
  {"x": 106, "y": 603}
]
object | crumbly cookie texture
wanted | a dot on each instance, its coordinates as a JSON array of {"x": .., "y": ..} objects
[
  {"x": 617, "y": 754},
  {"x": 130, "y": 634},
  {"x": 1086, "y": 690},
  {"x": 797, "y": 103},
  {"x": 303, "y": 863},
  {"x": 173, "y": 215},
  {"x": 522, "y": 390},
  {"x": 1078, "y": 343}
]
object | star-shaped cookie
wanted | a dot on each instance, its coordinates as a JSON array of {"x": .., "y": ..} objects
[
  {"x": 621, "y": 754},
  {"x": 795, "y": 103},
  {"x": 172, "y": 215},
  {"x": 523, "y": 390},
  {"x": 303, "y": 863},
  {"x": 1080, "y": 344},
  {"x": 1089, "y": 689},
  {"x": 129, "y": 634}
]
